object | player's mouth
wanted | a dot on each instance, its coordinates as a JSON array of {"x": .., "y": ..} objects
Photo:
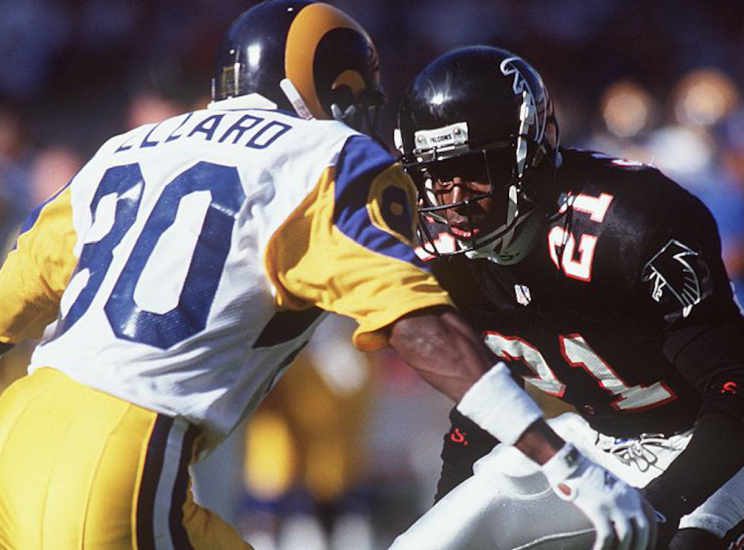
[{"x": 461, "y": 233}]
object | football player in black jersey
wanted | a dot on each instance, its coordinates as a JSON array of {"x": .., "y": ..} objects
[{"x": 598, "y": 281}]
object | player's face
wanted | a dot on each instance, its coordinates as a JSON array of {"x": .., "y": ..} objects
[
  {"x": 470, "y": 214},
  {"x": 465, "y": 183}
]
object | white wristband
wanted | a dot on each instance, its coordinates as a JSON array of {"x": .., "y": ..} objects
[{"x": 498, "y": 405}]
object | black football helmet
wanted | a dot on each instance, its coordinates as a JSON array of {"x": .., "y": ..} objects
[
  {"x": 302, "y": 55},
  {"x": 482, "y": 113}
]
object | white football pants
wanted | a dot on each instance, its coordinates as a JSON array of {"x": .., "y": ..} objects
[{"x": 508, "y": 505}]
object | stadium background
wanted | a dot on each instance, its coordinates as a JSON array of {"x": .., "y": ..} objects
[{"x": 657, "y": 81}]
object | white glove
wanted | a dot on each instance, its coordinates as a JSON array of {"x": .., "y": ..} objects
[{"x": 617, "y": 511}]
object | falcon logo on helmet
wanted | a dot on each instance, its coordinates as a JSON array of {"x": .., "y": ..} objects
[
  {"x": 480, "y": 115},
  {"x": 528, "y": 114}
]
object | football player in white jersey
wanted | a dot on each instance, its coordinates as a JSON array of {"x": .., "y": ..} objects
[{"x": 186, "y": 265}]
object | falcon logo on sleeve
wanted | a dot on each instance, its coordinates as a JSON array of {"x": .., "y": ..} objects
[{"x": 672, "y": 272}]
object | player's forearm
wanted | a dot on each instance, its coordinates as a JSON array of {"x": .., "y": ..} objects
[
  {"x": 443, "y": 350},
  {"x": 539, "y": 442},
  {"x": 449, "y": 355}
]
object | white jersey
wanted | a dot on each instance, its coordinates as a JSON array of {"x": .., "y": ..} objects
[{"x": 189, "y": 261}]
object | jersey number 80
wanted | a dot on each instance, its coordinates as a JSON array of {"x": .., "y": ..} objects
[{"x": 128, "y": 320}]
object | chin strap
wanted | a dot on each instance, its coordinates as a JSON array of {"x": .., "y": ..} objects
[
  {"x": 343, "y": 116},
  {"x": 524, "y": 237},
  {"x": 300, "y": 107},
  {"x": 295, "y": 99}
]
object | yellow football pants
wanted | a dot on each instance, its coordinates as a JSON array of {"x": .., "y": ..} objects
[{"x": 82, "y": 470}]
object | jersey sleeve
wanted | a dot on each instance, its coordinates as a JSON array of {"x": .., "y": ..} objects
[
  {"x": 348, "y": 248},
  {"x": 682, "y": 273},
  {"x": 688, "y": 290},
  {"x": 669, "y": 275},
  {"x": 36, "y": 271},
  {"x": 686, "y": 293}
]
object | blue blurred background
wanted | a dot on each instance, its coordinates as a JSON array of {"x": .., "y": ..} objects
[{"x": 656, "y": 81}]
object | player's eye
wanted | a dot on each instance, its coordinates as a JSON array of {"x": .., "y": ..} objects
[{"x": 468, "y": 167}]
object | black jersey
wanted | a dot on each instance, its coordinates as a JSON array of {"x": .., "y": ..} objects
[{"x": 623, "y": 309}]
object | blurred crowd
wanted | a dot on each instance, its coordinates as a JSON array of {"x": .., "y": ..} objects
[{"x": 658, "y": 82}]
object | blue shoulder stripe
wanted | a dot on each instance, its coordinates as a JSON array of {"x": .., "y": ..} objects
[{"x": 360, "y": 161}]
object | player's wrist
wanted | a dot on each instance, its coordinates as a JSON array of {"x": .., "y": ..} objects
[
  {"x": 498, "y": 405},
  {"x": 565, "y": 463}
]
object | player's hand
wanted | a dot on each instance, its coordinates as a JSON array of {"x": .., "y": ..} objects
[{"x": 621, "y": 518}]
